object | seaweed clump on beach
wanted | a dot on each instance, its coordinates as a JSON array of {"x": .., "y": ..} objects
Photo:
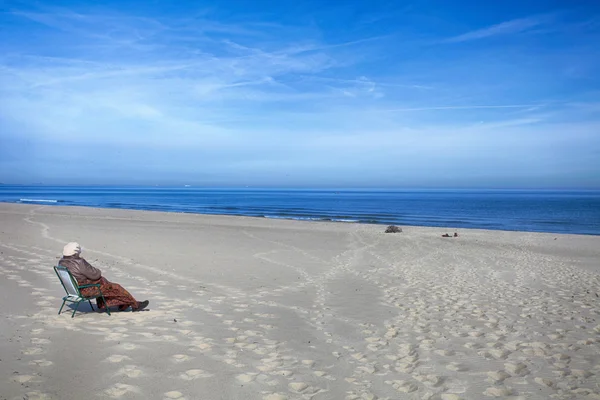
[{"x": 393, "y": 229}]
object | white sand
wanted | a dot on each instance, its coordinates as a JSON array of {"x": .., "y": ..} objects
[{"x": 246, "y": 308}]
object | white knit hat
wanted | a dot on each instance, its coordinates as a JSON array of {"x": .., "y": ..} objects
[{"x": 71, "y": 249}]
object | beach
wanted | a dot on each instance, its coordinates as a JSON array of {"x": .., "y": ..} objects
[{"x": 256, "y": 308}]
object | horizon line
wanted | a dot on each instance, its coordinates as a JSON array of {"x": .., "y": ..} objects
[{"x": 275, "y": 187}]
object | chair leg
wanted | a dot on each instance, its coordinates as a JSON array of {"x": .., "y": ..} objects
[
  {"x": 89, "y": 301},
  {"x": 61, "y": 307},
  {"x": 105, "y": 305},
  {"x": 75, "y": 310}
]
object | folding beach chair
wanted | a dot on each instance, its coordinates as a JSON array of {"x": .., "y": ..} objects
[{"x": 73, "y": 293}]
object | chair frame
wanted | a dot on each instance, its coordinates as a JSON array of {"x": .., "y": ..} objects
[{"x": 69, "y": 298}]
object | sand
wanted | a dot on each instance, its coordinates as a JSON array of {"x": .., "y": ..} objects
[{"x": 245, "y": 308}]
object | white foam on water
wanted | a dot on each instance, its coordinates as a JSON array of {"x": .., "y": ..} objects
[{"x": 38, "y": 201}]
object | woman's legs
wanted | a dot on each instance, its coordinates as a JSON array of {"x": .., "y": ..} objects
[{"x": 114, "y": 294}]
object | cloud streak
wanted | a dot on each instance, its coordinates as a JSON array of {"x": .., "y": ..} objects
[
  {"x": 467, "y": 107},
  {"x": 506, "y": 28}
]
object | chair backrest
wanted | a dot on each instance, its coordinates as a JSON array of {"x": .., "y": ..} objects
[{"x": 67, "y": 280}]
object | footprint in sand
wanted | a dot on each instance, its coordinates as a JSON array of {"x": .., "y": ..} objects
[
  {"x": 120, "y": 389},
  {"x": 181, "y": 358},
  {"x": 451, "y": 396},
  {"x": 129, "y": 346},
  {"x": 322, "y": 374},
  {"x": 246, "y": 378},
  {"x": 194, "y": 374},
  {"x": 22, "y": 378},
  {"x": 117, "y": 358},
  {"x": 41, "y": 363},
  {"x": 430, "y": 380},
  {"x": 454, "y": 366},
  {"x": 403, "y": 386},
  {"x": 516, "y": 368},
  {"x": 497, "y": 376},
  {"x": 130, "y": 371},
  {"x": 32, "y": 351},
  {"x": 174, "y": 395},
  {"x": 497, "y": 391},
  {"x": 275, "y": 396},
  {"x": 36, "y": 395},
  {"x": 232, "y": 361},
  {"x": 202, "y": 347},
  {"x": 544, "y": 382},
  {"x": 40, "y": 341},
  {"x": 115, "y": 336},
  {"x": 297, "y": 387}
]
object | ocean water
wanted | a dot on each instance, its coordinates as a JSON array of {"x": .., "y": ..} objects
[{"x": 536, "y": 211}]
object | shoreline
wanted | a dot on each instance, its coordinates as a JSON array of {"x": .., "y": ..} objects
[{"x": 48, "y": 204}]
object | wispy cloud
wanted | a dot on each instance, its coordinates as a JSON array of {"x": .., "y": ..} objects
[
  {"x": 511, "y": 27},
  {"x": 466, "y": 107}
]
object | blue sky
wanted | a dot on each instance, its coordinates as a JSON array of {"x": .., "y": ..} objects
[{"x": 312, "y": 93}]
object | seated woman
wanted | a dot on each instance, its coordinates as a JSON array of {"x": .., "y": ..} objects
[{"x": 85, "y": 274}]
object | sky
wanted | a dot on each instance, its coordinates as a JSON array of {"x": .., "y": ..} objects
[{"x": 387, "y": 94}]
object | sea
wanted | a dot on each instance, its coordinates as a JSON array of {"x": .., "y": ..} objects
[{"x": 575, "y": 212}]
